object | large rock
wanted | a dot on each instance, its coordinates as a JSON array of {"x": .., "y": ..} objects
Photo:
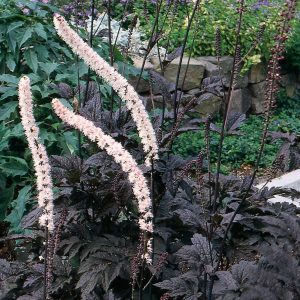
[
  {"x": 156, "y": 101},
  {"x": 210, "y": 68},
  {"x": 289, "y": 82},
  {"x": 241, "y": 101},
  {"x": 257, "y": 73},
  {"x": 193, "y": 68},
  {"x": 241, "y": 82},
  {"x": 225, "y": 62},
  {"x": 258, "y": 92},
  {"x": 143, "y": 86},
  {"x": 207, "y": 104}
]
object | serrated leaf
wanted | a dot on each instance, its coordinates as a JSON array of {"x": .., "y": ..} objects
[
  {"x": 10, "y": 62},
  {"x": 9, "y": 79},
  {"x": 184, "y": 286},
  {"x": 14, "y": 26},
  {"x": 31, "y": 59},
  {"x": 6, "y": 197},
  {"x": 40, "y": 31},
  {"x": 198, "y": 252},
  {"x": 8, "y": 93},
  {"x": 27, "y": 35},
  {"x": 18, "y": 209},
  {"x": 12, "y": 41},
  {"x": 224, "y": 283},
  {"x": 7, "y": 109},
  {"x": 15, "y": 166},
  {"x": 48, "y": 68}
]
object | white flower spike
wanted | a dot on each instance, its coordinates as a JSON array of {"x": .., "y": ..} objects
[
  {"x": 121, "y": 86},
  {"x": 39, "y": 154},
  {"x": 121, "y": 156}
]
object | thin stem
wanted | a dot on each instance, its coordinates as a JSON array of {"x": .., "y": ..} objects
[
  {"x": 119, "y": 29},
  {"x": 91, "y": 45},
  {"x": 228, "y": 103},
  {"x": 46, "y": 292},
  {"x": 110, "y": 53},
  {"x": 155, "y": 24},
  {"x": 181, "y": 59},
  {"x": 188, "y": 62}
]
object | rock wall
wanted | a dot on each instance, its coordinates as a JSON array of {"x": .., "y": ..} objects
[{"x": 248, "y": 94}]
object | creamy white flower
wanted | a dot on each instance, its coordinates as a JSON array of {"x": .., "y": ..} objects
[
  {"x": 125, "y": 91},
  {"x": 39, "y": 154},
  {"x": 121, "y": 156}
]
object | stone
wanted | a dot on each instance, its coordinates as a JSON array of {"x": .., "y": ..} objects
[
  {"x": 207, "y": 104},
  {"x": 157, "y": 101},
  {"x": 257, "y": 106},
  {"x": 241, "y": 101},
  {"x": 138, "y": 63},
  {"x": 194, "y": 73},
  {"x": 194, "y": 92},
  {"x": 210, "y": 68},
  {"x": 257, "y": 73},
  {"x": 242, "y": 81},
  {"x": 258, "y": 92},
  {"x": 289, "y": 82},
  {"x": 225, "y": 62},
  {"x": 143, "y": 87},
  {"x": 144, "y": 84}
]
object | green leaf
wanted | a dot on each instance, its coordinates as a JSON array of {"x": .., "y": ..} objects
[
  {"x": 6, "y": 197},
  {"x": 39, "y": 29},
  {"x": 7, "y": 109},
  {"x": 8, "y": 93},
  {"x": 69, "y": 142},
  {"x": 27, "y": 35},
  {"x": 10, "y": 62},
  {"x": 9, "y": 79},
  {"x": 14, "y": 26},
  {"x": 3, "y": 144},
  {"x": 17, "y": 130},
  {"x": 34, "y": 78},
  {"x": 48, "y": 67},
  {"x": 31, "y": 59},
  {"x": 42, "y": 52},
  {"x": 18, "y": 209},
  {"x": 12, "y": 41},
  {"x": 15, "y": 166}
]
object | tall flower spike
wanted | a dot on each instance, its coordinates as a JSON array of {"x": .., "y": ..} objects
[
  {"x": 121, "y": 156},
  {"x": 39, "y": 154},
  {"x": 125, "y": 91}
]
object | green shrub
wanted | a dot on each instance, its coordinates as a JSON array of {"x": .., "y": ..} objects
[
  {"x": 293, "y": 48},
  {"x": 237, "y": 150},
  {"x": 212, "y": 15}
]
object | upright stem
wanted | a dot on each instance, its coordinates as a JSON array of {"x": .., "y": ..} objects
[
  {"x": 158, "y": 7},
  {"x": 91, "y": 45},
  {"x": 46, "y": 285},
  {"x": 181, "y": 58},
  {"x": 228, "y": 103},
  {"x": 110, "y": 53},
  {"x": 78, "y": 83}
]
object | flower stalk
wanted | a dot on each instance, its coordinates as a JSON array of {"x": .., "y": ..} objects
[
  {"x": 39, "y": 155},
  {"x": 121, "y": 156},
  {"x": 125, "y": 91}
]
